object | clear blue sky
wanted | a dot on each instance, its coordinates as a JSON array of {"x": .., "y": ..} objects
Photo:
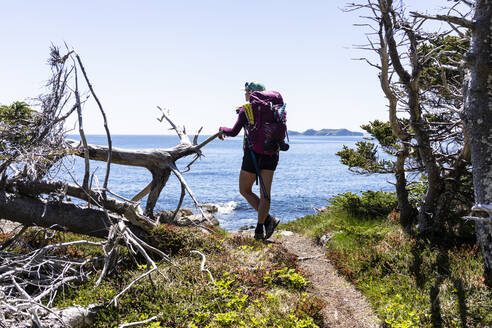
[{"x": 193, "y": 58}]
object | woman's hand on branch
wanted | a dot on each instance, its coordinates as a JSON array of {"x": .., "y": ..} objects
[{"x": 221, "y": 135}]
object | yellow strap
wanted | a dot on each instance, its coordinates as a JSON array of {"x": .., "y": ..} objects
[{"x": 249, "y": 113}]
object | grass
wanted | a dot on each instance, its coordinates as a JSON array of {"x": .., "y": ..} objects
[{"x": 409, "y": 282}]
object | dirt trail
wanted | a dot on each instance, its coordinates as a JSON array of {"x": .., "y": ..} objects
[{"x": 345, "y": 305}]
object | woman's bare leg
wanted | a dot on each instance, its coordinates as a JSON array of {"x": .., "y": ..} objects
[
  {"x": 246, "y": 180},
  {"x": 261, "y": 205}
]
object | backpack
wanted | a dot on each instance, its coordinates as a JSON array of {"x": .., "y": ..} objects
[{"x": 267, "y": 118}]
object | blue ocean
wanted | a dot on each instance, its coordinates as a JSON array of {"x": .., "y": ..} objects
[{"x": 308, "y": 174}]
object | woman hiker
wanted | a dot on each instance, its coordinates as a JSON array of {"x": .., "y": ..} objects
[{"x": 255, "y": 162}]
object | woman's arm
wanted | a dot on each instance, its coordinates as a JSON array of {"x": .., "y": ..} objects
[{"x": 241, "y": 121}]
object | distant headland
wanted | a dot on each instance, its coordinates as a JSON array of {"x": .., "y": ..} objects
[{"x": 325, "y": 132}]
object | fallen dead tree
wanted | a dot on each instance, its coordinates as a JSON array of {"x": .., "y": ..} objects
[
  {"x": 19, "y": 202},
  {"x": 30, "y": 195},
  {"x": 160, "y": 163}
]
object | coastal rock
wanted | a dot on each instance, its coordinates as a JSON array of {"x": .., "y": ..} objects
[
  {"x": 246, "y": 227},
  {"x": 210, "y": 208},
  {"x": 185, "y": 217},
  {"x": 7, "y": 226},
  {"x": 73, "y": 317},
  {"x": 320, "y": 209},
  {"x": 323, "y": 240}
]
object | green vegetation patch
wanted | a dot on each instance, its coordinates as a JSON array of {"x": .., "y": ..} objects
[
  {"x": 16, "y": 119},
  {"x": 255, "y": 285},
  {"x": 371, "y": 204},
  {"x": 409, "y": 282}
]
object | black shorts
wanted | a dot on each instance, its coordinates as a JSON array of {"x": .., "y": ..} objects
[{"x": 265, "y": 162}]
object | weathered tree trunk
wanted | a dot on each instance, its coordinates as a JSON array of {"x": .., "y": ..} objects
[
  {"x": 429, "y": 214},
  {"x": 427, "y": 211},
  {"x": 124, "y": 209},
  {"x": 60, "y": 216},
  {"x": 406, "y": 210},
  {"x": 478, "y": 118}
]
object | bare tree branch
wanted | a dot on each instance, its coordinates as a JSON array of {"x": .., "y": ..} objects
[
  {"x": 463, "y": 22},
  {"x": 85, "y": 183},
  {"x": 109, "y": 153},
  {"x": 202, "y": 265}
]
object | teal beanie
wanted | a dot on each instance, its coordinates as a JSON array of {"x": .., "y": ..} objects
[{"x": 254, "y": 86}]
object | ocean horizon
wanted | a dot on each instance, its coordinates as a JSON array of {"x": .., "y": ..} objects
[{"x": 308, "y": 174}]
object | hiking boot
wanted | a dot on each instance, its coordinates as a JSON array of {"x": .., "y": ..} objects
[
  {"x": 259, "y": 235},
  {"x": 270, "y": 227}
]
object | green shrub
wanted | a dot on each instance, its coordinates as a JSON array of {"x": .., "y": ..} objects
[
  {"x": 311, "y": 307},
  {"x": 370, "y": 204},
  {"x": 288, "y": 278},
  {"x": 17, "y": 119},
  {"x": 174, "y": 240}
]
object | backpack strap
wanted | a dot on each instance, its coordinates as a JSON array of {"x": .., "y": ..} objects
[{"x": 248, "y": 109}]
